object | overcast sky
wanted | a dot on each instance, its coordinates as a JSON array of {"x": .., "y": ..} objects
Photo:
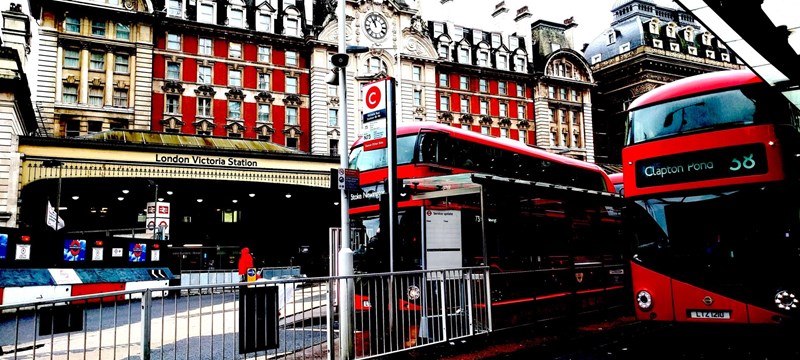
[{"x": 592, "y": 16}]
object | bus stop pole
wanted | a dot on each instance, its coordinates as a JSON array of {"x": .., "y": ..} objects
[{"x": 346, "y": 293}]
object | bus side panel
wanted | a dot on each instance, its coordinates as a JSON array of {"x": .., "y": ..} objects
[{"x": 659, "y": 287}]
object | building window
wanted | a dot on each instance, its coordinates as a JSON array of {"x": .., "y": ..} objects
[
  {"x": 173, "y": 71},
  {"x": 204, "y": 74},
  {"x": 173, "y": 104},
  {"x": 292, "y": 27},
  {"x": 72, "y": 128},
  {"x": 174, "y": 8},
  {"x": 519, "y": 64},
  {"x": 99, "y": 28},
  {"x": 484, "y": 107},
  {"x": 523, "y": 136},
  {"x": 96, "y": 96},
  {"x": 204, "y": 107},
  {"x": 235, "y": 51},
  {"x": 485, "y": 130},
  {"x": 291, "y": 116},
  {"x": 236, "y": 17},
  {"x": 291, "y": 85},
  {"x": 374, "y": 65},
  {"x": 120, "y": 98},
  {"x": 463, "y": 82},
  {"x": 596, "y": 58},
  {"x": 562, "y": 93},
  {"x": 501, "y": 87},
  {"x": 444, "y": 51},
  {"x": 670, "y": 31},
  {"x": 121, "y": 64},
  {"x": 72, "y": 58},
  {"x": 264, "y": 22},
  {"x": 483, "y": 85},
  {"x": 263, "y": 81},
  {"x": 291, "y": 58},
  {"x": 444, "y": 80},
  {"x": 463, "y": 56},
  {"x": 520, "y": 90},
  {"x": 513, "y": 42},
  {"x": 562, "y": 114},
  {"x": 234, "y": 78},
  {"x": 611, "y": 37},
  {"x": 263, "y": 112},
  {"x": 502, "y": 62},
  {"x": 69, "y": 94},
  {"x": 416, "y": 73},
  {"x": 204, "y": 47},
  {"x": 444, "y": 103},
  {"x": 333, "y": 117},
  {"x": 466, "y": 126},
  {"x": 116, "y": 124},
  {"x": 291, "y": 143},
  {"x": 206, "y": 14},
  {"x": 495, "y": 40},
  {"x": 503, "y": 110},
  {"x": 575, "y": 118},
  {"x": 483, "y": 58},
  {"x": 520, "y": 111},
  {"x": 438, "y": 29},
  {"x": 234, "y": 109},
  {"x": 94, "y": 127},
  {"x": 123, "y": 31},
  {"x": 173, "y": 42},
  {"x": 333, "y": 90},
  {"x": 464, "y": 105},
  {"x": 573, "y": 95},
  {"x": 417, "y": 97},
  {"x": 264, "y": 54},
  {"x": 72, "y": 24},
  {"x": 333, "y": 147},
  {"x": 503, "y": 132},
  {"x": 553, "y": 138},
  {"x": 576, "y": 140},
  {"x": 551, "y": 92}
]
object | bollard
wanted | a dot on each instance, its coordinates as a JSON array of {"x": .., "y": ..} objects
[
  {"x": 147, "y": 305},
  {"x": 346, "y": 294}
]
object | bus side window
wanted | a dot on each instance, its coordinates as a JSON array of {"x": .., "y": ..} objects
[{"x": 427, "y": 149}]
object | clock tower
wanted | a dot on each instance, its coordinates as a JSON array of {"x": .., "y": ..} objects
[{"x": 396, "y": 36}]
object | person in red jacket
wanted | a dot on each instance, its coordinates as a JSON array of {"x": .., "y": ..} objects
[{"x": 245, "y": 262}]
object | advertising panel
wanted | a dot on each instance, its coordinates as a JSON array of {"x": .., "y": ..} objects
[
  {"x": 74, "y": 250},
  {"x": 137, "y": 252}
]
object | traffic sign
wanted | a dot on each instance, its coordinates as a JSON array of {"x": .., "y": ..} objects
[{"x": 374, "y": 100}]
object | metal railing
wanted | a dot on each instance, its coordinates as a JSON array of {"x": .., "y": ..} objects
[{"x": 295, "y": 318}]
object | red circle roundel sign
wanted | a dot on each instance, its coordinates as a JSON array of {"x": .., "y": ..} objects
[{"x": 373, "y": 97}]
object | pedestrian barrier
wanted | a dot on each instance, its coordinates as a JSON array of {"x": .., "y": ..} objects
[{"x": 288, "y": 317}]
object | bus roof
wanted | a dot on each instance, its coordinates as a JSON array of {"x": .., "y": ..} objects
[
  {"x": 502, "y": 143},
  {"x": 696, "y": 84}
]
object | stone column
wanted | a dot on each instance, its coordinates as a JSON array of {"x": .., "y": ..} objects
[
  {"x": 109, "y": 89},
  {"x": 132, "y": 86},
  {"x": 84, "y": 82},
  {"x": 59, "y": 72}
]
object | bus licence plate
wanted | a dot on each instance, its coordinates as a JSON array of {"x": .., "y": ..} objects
[{"x": 705, "y": 314}]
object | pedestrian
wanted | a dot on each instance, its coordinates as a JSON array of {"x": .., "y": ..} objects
[{"x": 245, "y": 262}]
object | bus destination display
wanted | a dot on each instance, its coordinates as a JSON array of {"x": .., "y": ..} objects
[{"x": 719, "y": 163}]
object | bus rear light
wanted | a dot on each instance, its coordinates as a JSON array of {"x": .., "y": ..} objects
[
  {"x": 786, "y": 300},
  {"x": 644, "y": 300}
]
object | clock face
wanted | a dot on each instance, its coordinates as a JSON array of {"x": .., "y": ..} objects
[{"x": 376, "y": 26}]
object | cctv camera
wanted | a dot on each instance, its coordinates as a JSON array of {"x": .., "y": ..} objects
[
  {"x": 340, "y": 60},
  {"x": 333, "y": 77}
]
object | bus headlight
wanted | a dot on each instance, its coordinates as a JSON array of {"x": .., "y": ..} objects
[
  {"x": 785, "y": 300},
  {"x": 644, "y": 300},
  {"x": 413, "y": 292}
]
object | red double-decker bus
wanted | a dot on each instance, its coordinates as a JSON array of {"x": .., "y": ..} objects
[
  {"x": 710, "y": 170},
  {"x": 547, "y": 226}
]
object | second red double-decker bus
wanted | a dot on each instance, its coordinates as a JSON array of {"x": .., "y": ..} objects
[
  {"x": 546, "y": 226},
  {"x": 710, "y": 176}
]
